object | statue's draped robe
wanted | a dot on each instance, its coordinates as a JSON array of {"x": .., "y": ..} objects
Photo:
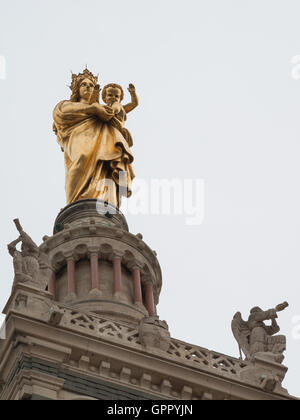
[{"x": 95, "y": 154}]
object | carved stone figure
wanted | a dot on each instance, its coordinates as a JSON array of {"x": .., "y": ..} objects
[
  {"x": 28, "y": 261},
  {"x": 154, "y": 334},
  {"x": 256, "y": 338},
  {"x": 95, "y": 143}
]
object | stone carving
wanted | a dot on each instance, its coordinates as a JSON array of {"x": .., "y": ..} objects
[
  {"x": 204, "y": 358},
  {"x": 154, "y": 334},
  {"x": 256, "y": 338},
  {"x": 45, "y": 269},
  {"x": 100, "y": 326},
  {"x": 108, "y": 329},
  {"x": 30, "y": 264},
  {"x": 95, "y": 143},
  {"x": 265, "y": 373},
  {"x": 55, "y": 315}
]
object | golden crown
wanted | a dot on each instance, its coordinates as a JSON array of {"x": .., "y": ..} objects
[{"x": 81, "y": 76}]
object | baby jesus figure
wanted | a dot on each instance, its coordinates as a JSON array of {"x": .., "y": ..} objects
[{"x": 112, "y": 96}]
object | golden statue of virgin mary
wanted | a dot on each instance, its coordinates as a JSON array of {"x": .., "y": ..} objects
[{"x": 95, "y": 143}]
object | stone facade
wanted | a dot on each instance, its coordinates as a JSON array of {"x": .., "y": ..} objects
[{"x": 94, "y": 333}]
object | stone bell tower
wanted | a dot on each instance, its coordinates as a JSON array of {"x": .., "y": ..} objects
[{"x": 99, "y": 266}]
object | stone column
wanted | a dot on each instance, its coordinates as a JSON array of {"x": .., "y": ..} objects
[
  {"x": 137, "y": 286},
  {"x": 52, "y": 285},
  {"x": 71, "y": 278},
  {"x": 149, "y": 299},
  {"x": 117, "y": 268},
  {"x": 94, "y": 261}
]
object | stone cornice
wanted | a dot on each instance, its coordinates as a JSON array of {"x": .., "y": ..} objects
[{"x": 185, "y": 379}]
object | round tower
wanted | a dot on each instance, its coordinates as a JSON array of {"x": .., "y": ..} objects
[{"x": 99, "y": 266}]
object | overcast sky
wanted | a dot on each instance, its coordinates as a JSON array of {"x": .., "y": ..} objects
[{"x": 217, "y": 102}]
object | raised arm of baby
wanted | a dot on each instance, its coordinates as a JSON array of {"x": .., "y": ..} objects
[{"x": 134, "y": 99}]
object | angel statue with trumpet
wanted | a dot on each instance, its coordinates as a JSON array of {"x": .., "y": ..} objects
[{"x": 256, "y": 338}]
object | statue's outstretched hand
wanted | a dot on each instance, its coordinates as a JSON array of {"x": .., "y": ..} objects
[
  {"x": 134, "y": 99},
  {"x": 131, "y": 89}
]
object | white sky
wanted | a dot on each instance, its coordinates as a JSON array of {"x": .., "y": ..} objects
[{"x": 217, "y": 102}]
